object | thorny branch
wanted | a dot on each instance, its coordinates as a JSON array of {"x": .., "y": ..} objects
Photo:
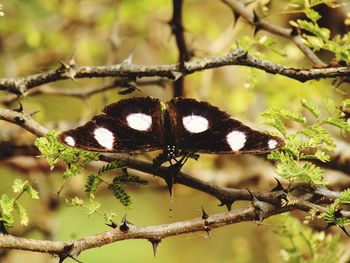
[
  {"x": 264, "y": 204},
  {"x": 128, "y": 231},
  {"x": 237, "y": 56},
  {"x": 288, "y": 33}
]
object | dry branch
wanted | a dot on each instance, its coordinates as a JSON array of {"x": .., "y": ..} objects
[{"x": 237, "y": 56}]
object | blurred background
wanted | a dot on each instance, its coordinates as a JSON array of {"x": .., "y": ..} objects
[{"x": 35, "y": 35}]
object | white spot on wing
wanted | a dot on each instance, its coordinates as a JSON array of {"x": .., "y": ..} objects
[
  {"x": 272, "y": 144},
  {"x": 236, "y": 140},
  {"x": 69, "y": 140},
  {"x": 104, "y": 137},
  {"x": 139, "y": 121},
  {"x": 195, "y": 123}
]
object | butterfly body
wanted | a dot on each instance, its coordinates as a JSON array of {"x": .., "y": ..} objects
[{"x": 139, "y": 125}]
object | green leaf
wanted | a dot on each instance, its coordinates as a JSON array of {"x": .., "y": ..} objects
[
  {"x": 120, "y": 194},
  {"x": 76, "y": 201},
  {"x": 18, "y": 186},
  {"x": 6, "y": 204},
  {"x": 344, "y": 197},
  {"x": 338, "y": 123},
  {"x": 117, "y": 165},
  {"x": 54, "y": 151},
  {"x": 92, "y": 207},
  {"x": 318, "y": 137},
  {"x": 332, "y": 109},
  {"x": 92, "y": 183},
  {"x": 22, "y": 213},
  {"x": 313, "y": 15},
  {"x": 32, "y": 192},
  {"x": 313, "y": 109}
]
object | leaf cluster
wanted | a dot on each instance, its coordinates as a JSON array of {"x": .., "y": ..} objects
[
  {"x": 320, "y": 38},
  {"x": 333, "y": 214},
  {"x": 95, "y": 180},
  {"x": 306, "y": 245},
  {"x": 12, "y": 205},
  {"x": 54, "y": 151},
  {"x": 311, "y": 140}
]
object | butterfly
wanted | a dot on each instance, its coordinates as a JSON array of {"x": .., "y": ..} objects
[{"x": 178, "y": 127}]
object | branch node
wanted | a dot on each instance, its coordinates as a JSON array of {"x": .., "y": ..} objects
[{"x": 260, "y": 207}]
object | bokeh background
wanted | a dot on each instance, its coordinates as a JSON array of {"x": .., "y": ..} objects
[{"x": 35, "y": 35}]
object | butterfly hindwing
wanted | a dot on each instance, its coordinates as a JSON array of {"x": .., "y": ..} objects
[
  {"x": 130, "y": 125},
  {"x": 201, "y": 127}
]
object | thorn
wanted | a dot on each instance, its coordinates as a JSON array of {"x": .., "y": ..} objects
[
  {"x": 344, "y": 230},
  {"x": 278, "y": 187},
  {"x": 254, "y": 199},
  {"x": 65, "y": 253},
  {"x": 169, "y": 180},
  {"x": 124, "y": 224},
  {"x": 255, "y": 17},
  {"x": 128, "y": 60},
  {"x": 236, "y": 16},
  {"x": 294, "y": 32},
  {"x": 112, "y": 225},
  {"x": 33, "y": 113},
  {"x": 227, "y": 202},
  {"x": 207, "y": 229},
  {"x": 155, "y": 243},
  {"x": 257, "y": 28},
  {"x": 72, "y": 63},
  {"x": 204, "y": 214},
  {"x": 238, "y": 46},
  {"x": 125, "y": 171},
  {"x": 63, "y": 66},
  {"x": 20, "y": 109}
]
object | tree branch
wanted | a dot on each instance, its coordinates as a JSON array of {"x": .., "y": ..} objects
[
  {"x": 248, "y": 15},
  {"x": 23, "y": 120},
  {"x": 173, "y": 71},
  {"x": 81, "y": 93},
  {"x": 151, "y": 233}
]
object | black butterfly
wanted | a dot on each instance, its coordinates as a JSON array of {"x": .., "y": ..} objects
[{"x": 179, "y": 126}]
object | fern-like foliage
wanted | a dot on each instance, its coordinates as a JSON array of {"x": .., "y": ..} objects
[
  {"x": 306, "y": 245},
  {"x": 310, "y": 141},
  {"x": 319, "y": 37},
  {"x": 54, "y": 151},
  {"x": 119, "y": 192},
  {"x": 9, "y": 206},
  {"x": 333, "y": 215}
]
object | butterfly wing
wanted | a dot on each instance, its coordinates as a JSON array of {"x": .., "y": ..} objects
[
  {"x": 201, "y": 127},
  {"x": 130, "y": 125}
]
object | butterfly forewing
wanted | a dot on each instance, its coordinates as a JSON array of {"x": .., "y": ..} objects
[
  {"x": 131, "y": 125},
  {"x": 201, "y": 127}
]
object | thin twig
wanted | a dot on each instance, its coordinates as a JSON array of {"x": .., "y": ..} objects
[{"x": 248, "y": 15}]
